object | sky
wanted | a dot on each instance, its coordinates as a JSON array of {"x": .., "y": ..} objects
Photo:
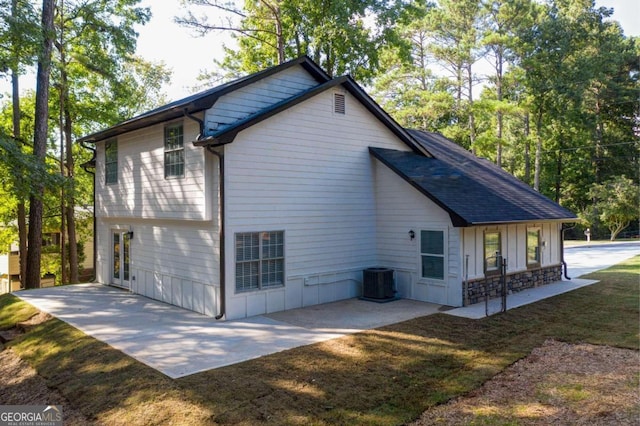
[{"x": 162, "y": 40}]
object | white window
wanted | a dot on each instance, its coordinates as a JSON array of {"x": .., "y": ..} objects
[
  {"x": 173, "y": 151},
  {"x": 259, "y": 260},
  {"x": 533, "y": 247},
  {"x": 492, "y": 252},
  {"x": 111, "y": 161},
  {"x": 432, "y": 254}
]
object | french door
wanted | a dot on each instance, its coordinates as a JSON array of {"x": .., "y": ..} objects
[{"x": 121, "y": 251}]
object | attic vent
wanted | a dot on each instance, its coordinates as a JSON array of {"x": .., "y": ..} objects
[{"x": 338, "y": 103}]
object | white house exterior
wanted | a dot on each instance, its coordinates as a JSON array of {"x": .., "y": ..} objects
[{"x": 276, "y": 191}]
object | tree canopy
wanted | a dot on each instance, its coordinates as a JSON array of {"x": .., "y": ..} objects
[
  {"x": 546, "y": 90},
  {"x": 95, "y": 81},
  {"x": 616, "y": 204}
]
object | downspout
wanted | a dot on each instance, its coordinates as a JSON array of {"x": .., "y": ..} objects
[
  {"x": 220, "y": 156},
  {"x": 222, "y": 216},
  {"x": 95, "y": 239},
  {"x": 564, "y": 263}
]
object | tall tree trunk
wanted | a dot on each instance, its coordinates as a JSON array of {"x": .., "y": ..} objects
[
  {"x": 71, "y": 221},
  {"x": 63, "y": 255},
  {"x": 279, "y": 36},
  {"x": 537, "y": 165},
  {"x": 599, "y": 141},
  {"x": 41, "y": 130},
  {"x": 527, "y": 150},
  {"x": 559, "y": 168},
  {"x": 472, "y": 118},
  {"x": 499, "y": 111},
  {"x": 275, "y": 11},
  {"x": 68, "y": 201},
  {"x": 21, "y": 210},
  {"x": 15, "y": 98}
]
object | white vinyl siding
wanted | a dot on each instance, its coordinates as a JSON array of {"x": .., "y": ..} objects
[
  {"x": 143, "y": 191},
  {"x": 308, "y": 172},
  {"x": 174, "y": 262}
]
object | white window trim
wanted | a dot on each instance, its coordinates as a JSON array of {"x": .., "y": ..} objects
[
  {"x": 533, "y": 265},
  {"x": 260, "y": 287},
  {"x": 107, "y": 163},
  {"x": 445, "y": 255},
  {"x": 180, "y": 149},
  {"x": 496, "y": 270}
]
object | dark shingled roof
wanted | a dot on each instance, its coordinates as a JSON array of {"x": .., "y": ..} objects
[
  {"x": 472, "y": 190},
  {"x": 201, "y": 101}
]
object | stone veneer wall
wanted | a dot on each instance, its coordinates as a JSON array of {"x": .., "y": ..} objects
[{"x": 519, "y": 281}]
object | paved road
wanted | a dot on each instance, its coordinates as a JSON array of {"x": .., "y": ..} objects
[{"x": 582, "y": 260}]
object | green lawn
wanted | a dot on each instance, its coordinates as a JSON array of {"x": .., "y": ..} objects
[{"x": 385, "y": 376}]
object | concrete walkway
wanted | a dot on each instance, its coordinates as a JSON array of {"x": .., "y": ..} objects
[
  {"x": 178, "y": 342},
  {"x": 521, "y": 298}
]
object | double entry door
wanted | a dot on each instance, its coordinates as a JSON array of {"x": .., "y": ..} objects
[{"x": 121, "y": 253}]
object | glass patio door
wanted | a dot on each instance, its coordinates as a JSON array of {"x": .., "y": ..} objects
[{"x": 120, "y": 254}]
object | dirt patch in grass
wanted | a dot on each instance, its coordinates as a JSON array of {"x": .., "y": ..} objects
[
  {"x": 558, "y": 383},
  {"x": 20, "y": 384}
]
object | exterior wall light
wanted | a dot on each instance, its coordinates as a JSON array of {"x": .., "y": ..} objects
[{"x": 412, "y": 235}]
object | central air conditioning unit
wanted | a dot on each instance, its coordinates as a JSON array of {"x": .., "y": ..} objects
[{"x": 378, "y": 284}]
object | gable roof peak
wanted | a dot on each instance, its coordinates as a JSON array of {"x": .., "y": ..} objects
[{"x": 203, "y": 100}]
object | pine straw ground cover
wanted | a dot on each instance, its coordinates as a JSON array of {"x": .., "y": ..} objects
[{"x": 385, "y": 376}]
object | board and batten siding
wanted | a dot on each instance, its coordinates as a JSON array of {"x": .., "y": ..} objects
[
  {"x": 307, "y": 172},
  {"x": 402, "y": 208},
  {"x": 174, "y": 253},
  {"x": 257, "y": 96},
  {"x": 142, "y": 190},
  {"x": 514, "y": 246},
  {"x": 174, "y": 262}
]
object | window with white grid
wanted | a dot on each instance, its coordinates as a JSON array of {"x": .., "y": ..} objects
[
  {"x": 111, "y": 162},
  {"x": 259, "y": 260},
  {"x": 173, "y": 151}
]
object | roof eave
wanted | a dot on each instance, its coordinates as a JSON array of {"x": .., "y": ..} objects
[
  {"x": 521, "y": 221},
  {"x": 229, "y": 133}
]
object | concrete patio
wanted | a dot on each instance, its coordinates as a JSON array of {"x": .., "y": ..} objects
[{"x": 178, "y": 342}]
